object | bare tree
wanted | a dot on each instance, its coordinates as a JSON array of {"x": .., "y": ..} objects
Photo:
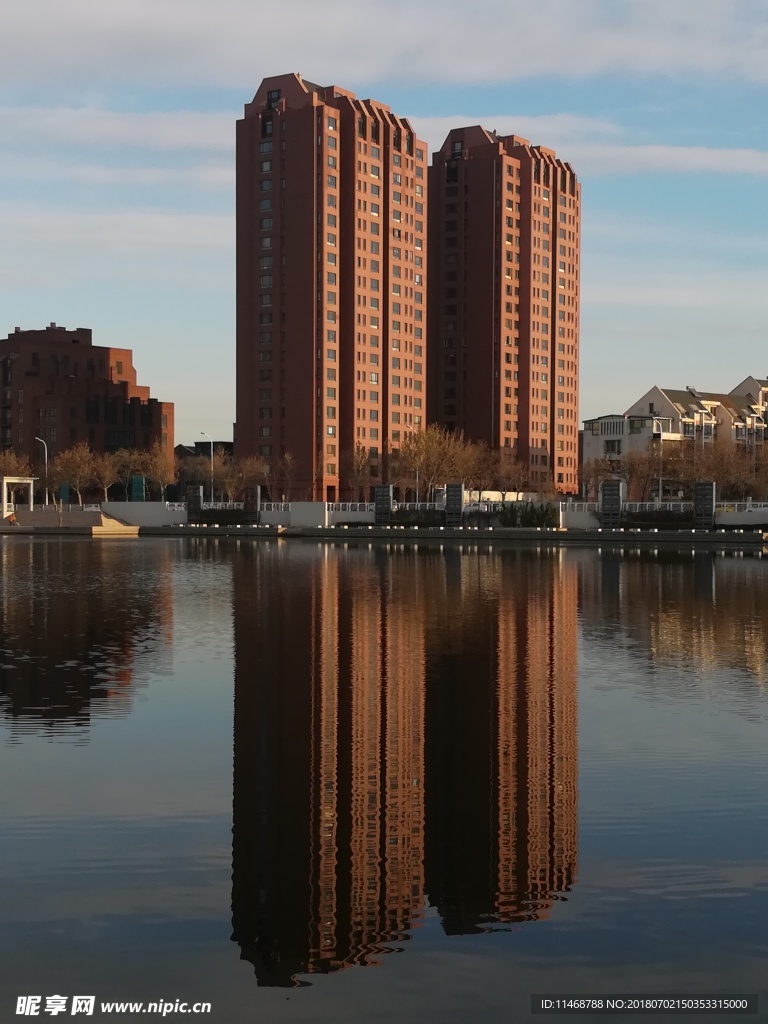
[
  {"x": 441, "y": 451},
  {"x": 130, "y": 463},
  {"x": 486, "y": 466},
  {"x": 252, "y": 472},
  {"x": 593, "y": 472},
  {"x": 356, "y": 464},
  {"x": 12, "y": 464},
  {"x": 285, "y": 471},
  {"x": 511, "y": 472},
  {"x": 75, "y": 467},
  {"x": 464, "y": 464},
  {"x": 160, "y": 468},
  {"x": 406, "y": 463},
  {"x": 223, "y": 472},
  {"x": 638, "y": 470},
  {"x": 104, "y": 472}
]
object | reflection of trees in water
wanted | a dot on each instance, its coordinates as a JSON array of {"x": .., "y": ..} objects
[
  {"x": 343, "y": 658},
  {"x": 700, "y": 611},
  {"x": 77, "y": 620}
]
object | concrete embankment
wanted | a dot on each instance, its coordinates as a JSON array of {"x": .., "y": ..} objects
[
  {"x": 98, "y": 525},
  {"x": 77, "y": 523},
  {"x": 722, "y": 540}
]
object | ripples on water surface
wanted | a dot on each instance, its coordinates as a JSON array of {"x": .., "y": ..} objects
[{"x": 251, "y": 774}]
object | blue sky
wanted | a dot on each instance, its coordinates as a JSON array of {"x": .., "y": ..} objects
[{"x": 116, "y": 165}]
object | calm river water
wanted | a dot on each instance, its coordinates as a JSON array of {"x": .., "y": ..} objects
[{"x": 370, "y": 783}]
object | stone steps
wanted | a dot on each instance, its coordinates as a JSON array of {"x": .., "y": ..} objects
[{"x": 76, "y": 521}]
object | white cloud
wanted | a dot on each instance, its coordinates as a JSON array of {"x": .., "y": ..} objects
[
  {"x": 39, "y": 169},
  {"x": 234, "y": 42},
  {"x": 75, "y": 127},
  {"x": 593, "y": 145},
  {"x": 551, "y": 130},
  {"x": 669, "y": 242},
  {"x": 596, "y": 159},
  {"x": 582, "y": 142},
  {"x": 29, "y": 224}
]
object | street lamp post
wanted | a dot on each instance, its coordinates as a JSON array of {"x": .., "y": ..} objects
[
  {"x": 211, "y": 440},
  {"x": 45, "y": 446}
]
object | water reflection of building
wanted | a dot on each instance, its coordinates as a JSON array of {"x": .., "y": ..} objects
[
  {"x": 342, "y": 658},
  {"x": 501, "y": 749},
  {"x": 702, "y": 611},
  {"x": 328, "y": 769},
  {"x": 78, "y": 620}
]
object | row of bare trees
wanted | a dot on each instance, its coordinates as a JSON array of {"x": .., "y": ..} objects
[
  {"x": 672, "y": 467},
  {"x": 86, "y": 471},
  {"x": 423, "y": 461},
  {"x": 433, "y": 457},
  {"x": 231, "y": 477}
]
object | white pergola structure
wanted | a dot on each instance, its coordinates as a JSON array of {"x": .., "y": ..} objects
[{"x": 12, "y": 483}]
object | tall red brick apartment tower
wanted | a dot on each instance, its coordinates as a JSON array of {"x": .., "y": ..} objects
[
  {"x": 331, "y": 281},
  {"x": 504, "y": 223}
]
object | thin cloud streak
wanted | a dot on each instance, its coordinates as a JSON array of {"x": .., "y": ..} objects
[
  {"x": 176, "y": 131},
  {"x": 578, "y": 139},
  {"x": 28, "y": 224},
  {"x": 202, "y": 176},
  {"x": 75, "y": 127},
  {"x": 544, "y": 129},
  {"x": 599, "y": 160}
]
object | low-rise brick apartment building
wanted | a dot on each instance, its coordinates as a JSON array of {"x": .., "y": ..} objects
[{"x": 60, "y": 387}]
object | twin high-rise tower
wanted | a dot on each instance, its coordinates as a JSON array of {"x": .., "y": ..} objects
[{"x": 347, "y": 341}]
